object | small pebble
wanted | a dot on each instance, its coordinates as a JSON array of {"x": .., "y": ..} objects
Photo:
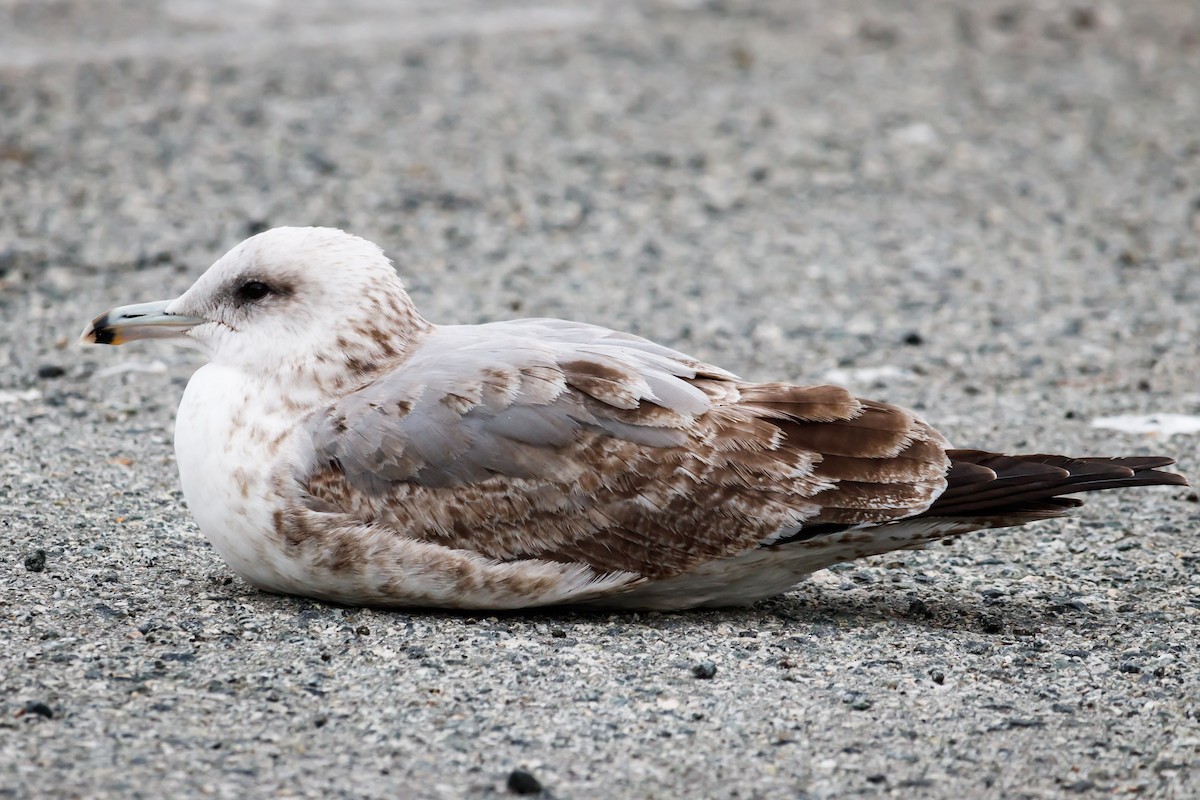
[
  {"x": 39, "y": 709},
  {"x": 918, "y": 608},
  {"x": 50, "y": 371},
  {"x": 937, "y": 676},
  {"x": 704, "y": 670},
  {"x": 857, "y": 701},
  {"x": 36, "y": 561},
  {"x": 522, "y": 782},
  {"x": 1025, "y": 723}
]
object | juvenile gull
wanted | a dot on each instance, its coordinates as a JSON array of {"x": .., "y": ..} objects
[{"x": 340, "y": 446}]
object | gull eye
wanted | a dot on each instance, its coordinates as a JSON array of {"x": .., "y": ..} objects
[{"x": 251, "y": 291}]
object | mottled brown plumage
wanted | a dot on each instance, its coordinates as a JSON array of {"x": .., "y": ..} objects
[{"x": 342, "y": 447}]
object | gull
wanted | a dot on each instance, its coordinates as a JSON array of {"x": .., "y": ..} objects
[{"x": 337, "y": 445}]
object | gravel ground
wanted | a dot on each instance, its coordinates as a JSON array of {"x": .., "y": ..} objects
[{"x": 986, "y": 210}]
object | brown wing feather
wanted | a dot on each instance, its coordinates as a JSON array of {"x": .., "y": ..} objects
[
  {"x": 877, "y": 431},
  {"x": 922, "y": 460},
  {"x": 750, "y": 467}
]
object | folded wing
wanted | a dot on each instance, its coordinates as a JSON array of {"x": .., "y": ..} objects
[{"x": 557, "y": 441}]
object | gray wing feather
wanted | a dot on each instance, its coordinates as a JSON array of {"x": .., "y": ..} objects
[
  {"x": 545, "y": 425},
  {"x": 506, "y": 399}
]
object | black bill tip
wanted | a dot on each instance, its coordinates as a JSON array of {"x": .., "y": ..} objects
[{"x": 99, "y": 332}]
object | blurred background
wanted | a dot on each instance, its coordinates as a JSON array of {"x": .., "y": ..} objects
[{"x": 829, "y": 182}]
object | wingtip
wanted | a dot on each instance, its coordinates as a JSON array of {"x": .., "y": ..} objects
[{"x": 1173, "y": 478}]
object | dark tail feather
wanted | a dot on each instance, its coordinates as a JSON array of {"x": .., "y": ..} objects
[
  {"x": 992, "y": 490},
  {"x": 1028, "y": 487}
]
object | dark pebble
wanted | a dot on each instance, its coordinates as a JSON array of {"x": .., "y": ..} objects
[
  {"x": 877, "y": 778},
  {"x": 1084, "y": 19},
  {"x": 320, "y": 162},
  {"x": 914, "y": 339},
  {"x": 918, "y": 608},
  {"x": 1130, "y": 667},
  {"x": 147, "y": 260},
  {"x": 915, "y": 783},
  {"x": 1072, "y": 605},
  {"x": 858, "y": 702},
  {"x": 878, "y": 32},
  {"x": 704, "y": 670},
  {"x": 522, "y": 782},
  {"x": 937, "y": 676},
  {"x": 1026, "y": 723},
  {"x": 50, "y": 371},
  {"x": 36, "y": 561},
  {"x": 38, "y": 708},
  {"x": 8, "y": 260}
]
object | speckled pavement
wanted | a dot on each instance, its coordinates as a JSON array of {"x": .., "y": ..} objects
[{"x": 989, "y": 211}]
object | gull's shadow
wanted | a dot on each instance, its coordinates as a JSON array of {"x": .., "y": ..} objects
[
  {"x": 814, "y": 604},
  {"x": 809, "y": 604}
]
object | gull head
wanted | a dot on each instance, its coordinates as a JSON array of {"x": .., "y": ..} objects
[{"x": 287, "y": 300}]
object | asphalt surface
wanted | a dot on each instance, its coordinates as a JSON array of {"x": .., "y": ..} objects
[{"x": 986, "y": 210}]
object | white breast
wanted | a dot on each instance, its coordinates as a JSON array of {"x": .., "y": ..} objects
[{"x": 223, "y": 433}]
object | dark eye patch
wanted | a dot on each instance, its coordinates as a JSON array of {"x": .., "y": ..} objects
[{"x": 253, "y": 291}]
